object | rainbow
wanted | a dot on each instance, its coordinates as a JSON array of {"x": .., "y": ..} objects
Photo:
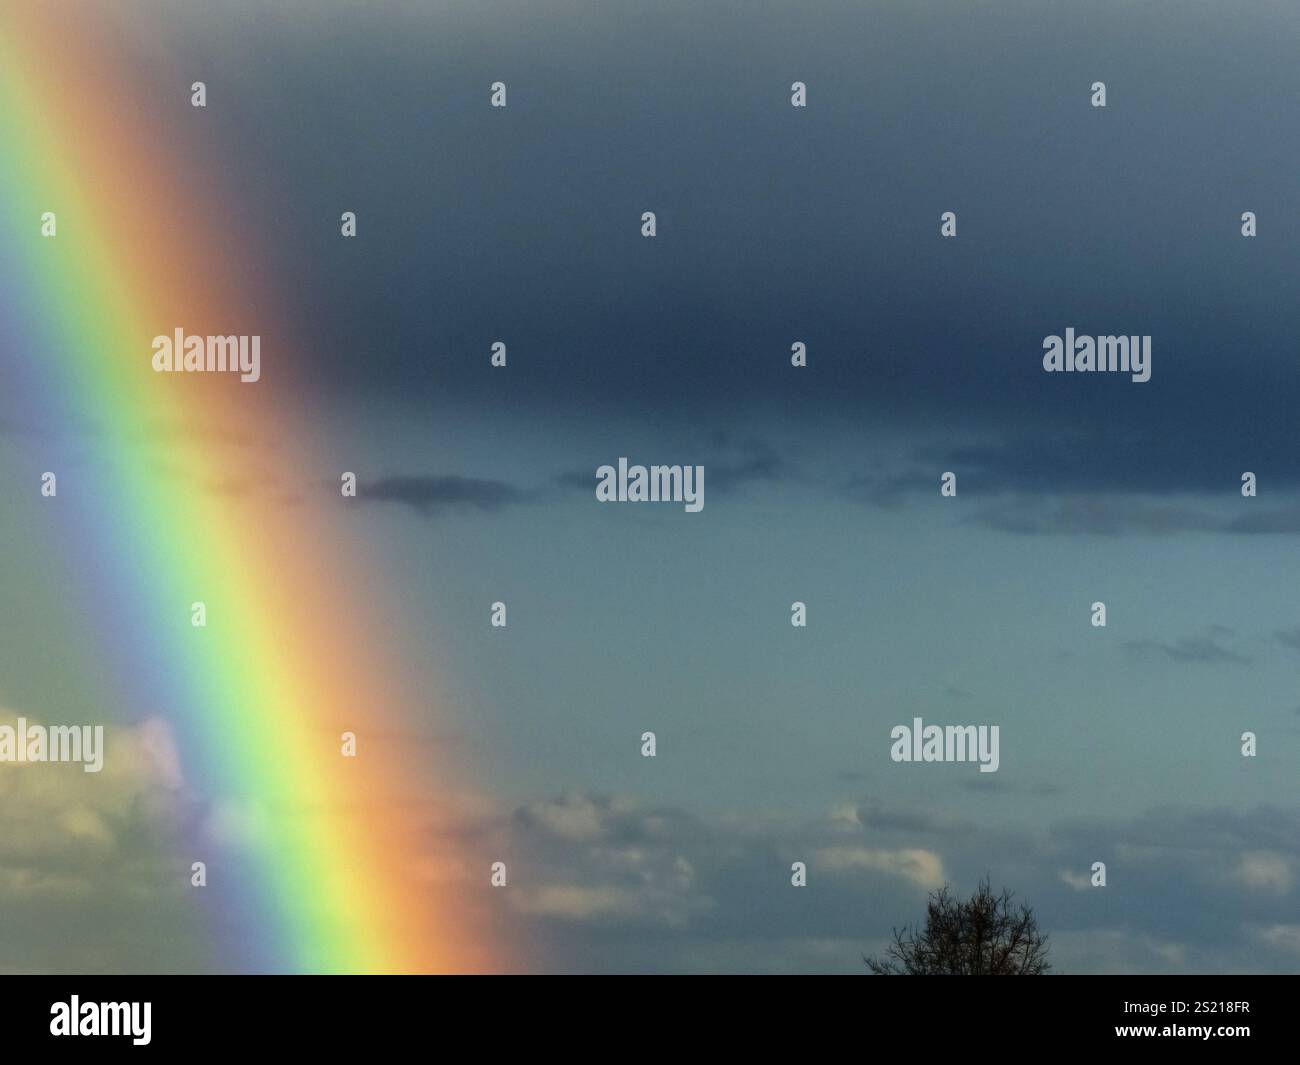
[{"x": 332, "y": 869}]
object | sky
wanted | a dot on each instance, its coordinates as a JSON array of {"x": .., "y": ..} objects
[{"x": 775, "y": 225}]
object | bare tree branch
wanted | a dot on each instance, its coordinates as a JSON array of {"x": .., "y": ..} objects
[{"x": 986, "y": 935}]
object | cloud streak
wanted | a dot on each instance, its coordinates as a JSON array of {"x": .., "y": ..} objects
[
  {"x": 1200, "y": 649},
  {"x": 432, "y": 496}
]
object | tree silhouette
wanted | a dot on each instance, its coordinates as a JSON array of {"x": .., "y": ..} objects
[{"x": 984, "y": 936}]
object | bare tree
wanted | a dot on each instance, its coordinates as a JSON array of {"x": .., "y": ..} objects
[{"x": 985, "y": 936}]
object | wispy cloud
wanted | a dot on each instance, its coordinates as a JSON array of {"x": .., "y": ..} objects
[
  {"x": 431, "y": 496},
  {"x": 1187, "y": 649},
  {"x": 1289, "y": 638},
  {"x": 728, "y": 467}
]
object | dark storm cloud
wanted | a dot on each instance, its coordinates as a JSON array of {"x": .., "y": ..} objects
[
  {"x": 777, "y": 224},
  {"x": 434, "y": 495}
]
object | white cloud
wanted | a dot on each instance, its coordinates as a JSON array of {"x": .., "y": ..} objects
[
  {"x": 1265, "y": 871},
  {"x": 1285, "y": 937},
  {"x": 51, "y": 808},
  {"x": 1078, "y": 881},
  {"x": 922, "y": 867},
  {"x": 573, "y": 817}
]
